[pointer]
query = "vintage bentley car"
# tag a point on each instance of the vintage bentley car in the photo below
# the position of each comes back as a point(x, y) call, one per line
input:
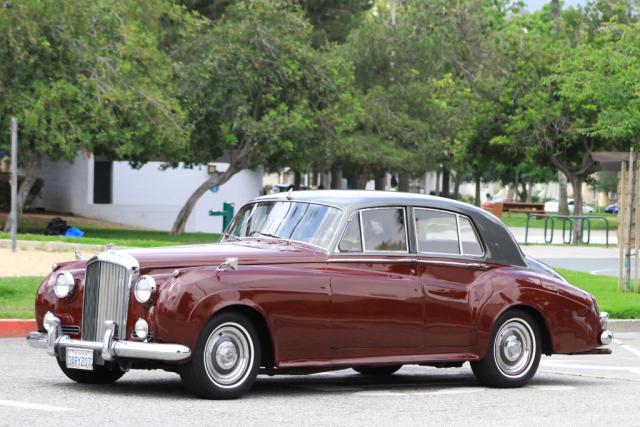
point(319, 280)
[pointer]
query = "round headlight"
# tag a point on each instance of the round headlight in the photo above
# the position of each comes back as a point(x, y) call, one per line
point(141, 328)
point(64, 284)
point(144, 289)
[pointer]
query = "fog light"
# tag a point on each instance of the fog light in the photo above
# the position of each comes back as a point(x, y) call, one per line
point(144, 289)
point(141, 328)
point(48, 321)
point(64, 284)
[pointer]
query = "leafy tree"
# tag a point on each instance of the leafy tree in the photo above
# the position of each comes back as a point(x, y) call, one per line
point(90, 79)
point(254, 87)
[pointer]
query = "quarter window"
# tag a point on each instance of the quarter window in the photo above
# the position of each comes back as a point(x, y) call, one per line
point(384, 229)
point(436, 232)
point(351, 239)
point(470, 244)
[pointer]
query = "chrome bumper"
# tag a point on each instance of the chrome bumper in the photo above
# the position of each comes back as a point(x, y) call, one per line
point(109, 349)
point(606, 336)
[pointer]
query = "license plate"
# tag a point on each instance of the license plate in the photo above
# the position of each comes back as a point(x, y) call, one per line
point(79, 358)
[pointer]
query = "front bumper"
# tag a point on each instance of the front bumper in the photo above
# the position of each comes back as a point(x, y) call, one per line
point(108, 349)
point(606, 336)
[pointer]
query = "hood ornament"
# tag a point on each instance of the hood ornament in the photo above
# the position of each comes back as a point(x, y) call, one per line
point(110, 246)
point(228, 264)
point(77, 255)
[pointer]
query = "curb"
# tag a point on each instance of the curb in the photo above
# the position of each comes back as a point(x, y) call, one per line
point(15, 328)
point(56, 246)
point(624, 325)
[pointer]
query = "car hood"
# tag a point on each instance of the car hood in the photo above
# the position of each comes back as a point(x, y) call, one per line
point(247, 251)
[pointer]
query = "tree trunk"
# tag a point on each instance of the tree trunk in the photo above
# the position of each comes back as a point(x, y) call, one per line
point(381, 181)
point(241, 161)
point(511, 190)
point(438, 187)
point(336, 177)
point(404, 181)
point(563, 206)
point(576, 183)
point(530, 193)
point(456, 187)
point(555, 14)
point(446, 176)
point(297, 180)
point(477, 200)
point(524, 195)
point(31, 173)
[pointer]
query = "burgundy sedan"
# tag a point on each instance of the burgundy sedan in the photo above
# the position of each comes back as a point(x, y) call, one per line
point(318, 281)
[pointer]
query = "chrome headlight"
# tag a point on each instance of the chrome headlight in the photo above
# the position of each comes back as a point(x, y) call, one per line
point(64, 284)
point(144, 289)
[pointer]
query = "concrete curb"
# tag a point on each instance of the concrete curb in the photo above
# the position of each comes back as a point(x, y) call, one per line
point(54, 246)
point(16, 328)
point(624, 325)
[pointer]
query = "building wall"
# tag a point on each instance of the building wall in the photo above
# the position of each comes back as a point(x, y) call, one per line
point(147, 197)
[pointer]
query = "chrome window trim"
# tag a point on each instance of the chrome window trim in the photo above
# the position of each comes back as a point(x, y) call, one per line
point(373, 260)
point(364, 251)
point(477, 265)
point(447, 254)
point(332, 242)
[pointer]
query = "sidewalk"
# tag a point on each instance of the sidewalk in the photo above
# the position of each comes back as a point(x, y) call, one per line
point(536, 236)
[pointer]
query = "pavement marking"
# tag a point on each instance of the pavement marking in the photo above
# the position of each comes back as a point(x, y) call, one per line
point(440, 392)
point(36, 406)
point(627, 347)
point(604, 271)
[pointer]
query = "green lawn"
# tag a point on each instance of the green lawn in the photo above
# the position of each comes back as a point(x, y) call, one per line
point(519, 220)
point(619, 305)
point(17, 295)
point(100, 233)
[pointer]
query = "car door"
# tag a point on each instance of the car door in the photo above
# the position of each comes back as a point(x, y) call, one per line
point(376, 297)
point(450, 269)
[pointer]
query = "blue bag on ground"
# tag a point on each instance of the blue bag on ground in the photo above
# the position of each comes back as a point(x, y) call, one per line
point(73, 232)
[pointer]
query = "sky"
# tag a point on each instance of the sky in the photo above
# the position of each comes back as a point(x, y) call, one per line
point(537, 4)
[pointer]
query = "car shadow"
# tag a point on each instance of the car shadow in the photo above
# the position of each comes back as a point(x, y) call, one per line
point(346, 381)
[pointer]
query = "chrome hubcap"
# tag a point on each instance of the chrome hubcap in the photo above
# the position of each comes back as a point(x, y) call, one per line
point(514, 348)
point(228, 355)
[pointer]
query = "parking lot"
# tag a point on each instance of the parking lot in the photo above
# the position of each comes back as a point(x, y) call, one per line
point(568, 390)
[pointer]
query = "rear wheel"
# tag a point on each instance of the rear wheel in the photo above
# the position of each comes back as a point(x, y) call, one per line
point(377, 370)
point(513, 355)
point(99, 375)
point(226, 360)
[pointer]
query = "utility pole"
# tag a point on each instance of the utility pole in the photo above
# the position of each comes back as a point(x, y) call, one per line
point(14, 182)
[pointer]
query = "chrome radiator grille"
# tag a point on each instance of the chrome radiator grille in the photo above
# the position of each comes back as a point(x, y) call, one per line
point(106, 297)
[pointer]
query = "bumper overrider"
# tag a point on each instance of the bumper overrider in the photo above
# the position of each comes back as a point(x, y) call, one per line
point(108, 349)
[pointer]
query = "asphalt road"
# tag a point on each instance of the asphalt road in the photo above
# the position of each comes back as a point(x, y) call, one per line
point(568, 390)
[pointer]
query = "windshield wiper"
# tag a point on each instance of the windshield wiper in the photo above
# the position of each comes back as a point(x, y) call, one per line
point(230, 236)
point(266, 235)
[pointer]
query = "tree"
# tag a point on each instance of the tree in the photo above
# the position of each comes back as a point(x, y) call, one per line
point(91, 78)
point(256, 90)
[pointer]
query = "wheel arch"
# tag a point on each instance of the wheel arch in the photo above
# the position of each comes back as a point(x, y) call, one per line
point(260, 322)
point(543, 327)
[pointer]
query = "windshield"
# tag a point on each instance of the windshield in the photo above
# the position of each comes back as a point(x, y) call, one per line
point(303, 222)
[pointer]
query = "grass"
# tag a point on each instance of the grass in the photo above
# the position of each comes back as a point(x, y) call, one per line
point(17, 297)
point(519, 220)
point(101, 233)
point(619, 305)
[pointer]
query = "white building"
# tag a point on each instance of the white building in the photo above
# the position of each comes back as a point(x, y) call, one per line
point(148, 197)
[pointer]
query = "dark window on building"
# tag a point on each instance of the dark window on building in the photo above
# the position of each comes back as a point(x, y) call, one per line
point(102, 181)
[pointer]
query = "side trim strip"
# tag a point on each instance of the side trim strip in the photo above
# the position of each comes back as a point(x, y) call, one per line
point(369, 260)
point(476, 265)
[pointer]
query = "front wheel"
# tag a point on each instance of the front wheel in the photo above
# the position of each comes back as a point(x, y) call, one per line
point(514, 352)
point(226, 359)
point(99, 374)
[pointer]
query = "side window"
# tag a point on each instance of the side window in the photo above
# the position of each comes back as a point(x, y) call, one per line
point(470, 243)
point(384, 230)
point(436, 232)
point(351, 239)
